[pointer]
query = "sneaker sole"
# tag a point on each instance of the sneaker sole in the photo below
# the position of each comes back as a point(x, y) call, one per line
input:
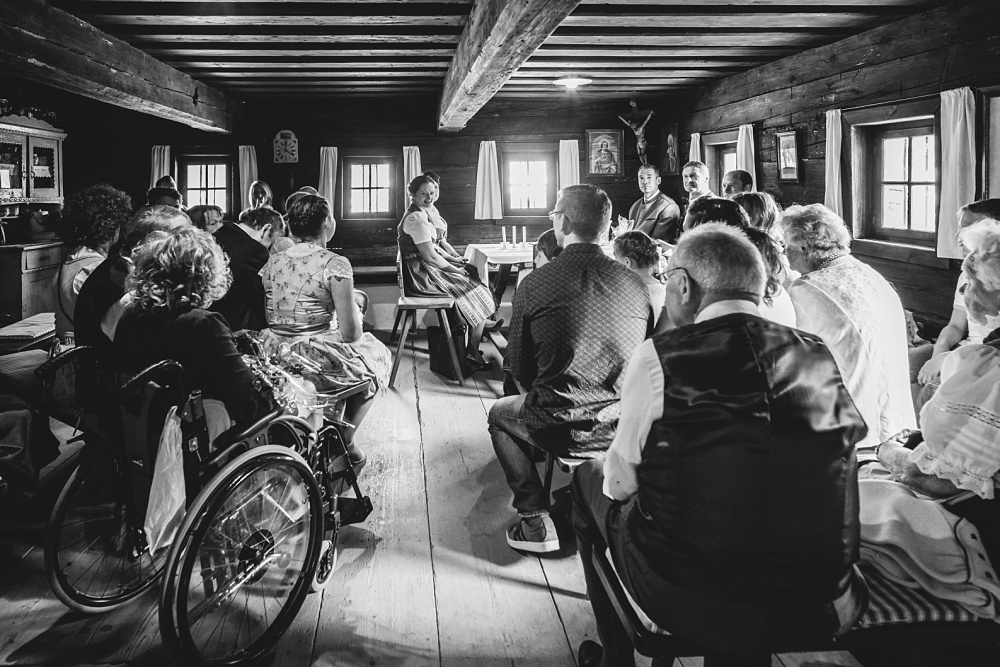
point(534, 547)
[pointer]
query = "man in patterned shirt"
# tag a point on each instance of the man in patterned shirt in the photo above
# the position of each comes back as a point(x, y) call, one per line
point(576, 322)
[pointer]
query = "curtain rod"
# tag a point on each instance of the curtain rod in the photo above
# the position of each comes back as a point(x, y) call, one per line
point(918, 98)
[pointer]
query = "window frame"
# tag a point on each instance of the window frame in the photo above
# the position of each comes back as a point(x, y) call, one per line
point(716, 146)
point(876, 226)
point(395, 212)
point(189, 157)
point(535, 151)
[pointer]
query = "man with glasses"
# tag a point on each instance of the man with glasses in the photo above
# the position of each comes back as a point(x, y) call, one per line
point(576, 321)
point(728, 499)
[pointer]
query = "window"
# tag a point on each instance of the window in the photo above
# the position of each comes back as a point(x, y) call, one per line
point(907, 191)
point(206, 179)
point(370, 188)
point(720, 156)
point(529, 180)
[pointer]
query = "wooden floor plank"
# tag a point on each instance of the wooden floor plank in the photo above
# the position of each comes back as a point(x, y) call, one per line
point(380, 609)
point(825, 659)
point(494, 605)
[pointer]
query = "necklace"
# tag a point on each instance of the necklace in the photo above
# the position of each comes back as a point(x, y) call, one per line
point(831, 260)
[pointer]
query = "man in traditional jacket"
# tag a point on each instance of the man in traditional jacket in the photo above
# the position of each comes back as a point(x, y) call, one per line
point(655, 213)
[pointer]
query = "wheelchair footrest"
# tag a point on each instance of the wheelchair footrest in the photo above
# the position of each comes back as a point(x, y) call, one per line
point(353, 510)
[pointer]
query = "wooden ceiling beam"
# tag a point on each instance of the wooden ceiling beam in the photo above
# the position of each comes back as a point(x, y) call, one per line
point(248, 38)
point(763, 3)
point(48, 45)
point(310, 54)
point(499, 37)
point(322, 76)
point(734, 19)
point(582, 67)
point(797, 40)
point(271, 20)
point(196, 66)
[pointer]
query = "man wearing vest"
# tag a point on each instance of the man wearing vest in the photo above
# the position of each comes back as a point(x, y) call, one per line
point(728, 498)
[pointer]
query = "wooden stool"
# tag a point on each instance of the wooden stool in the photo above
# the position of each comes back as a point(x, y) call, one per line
point(565, 463)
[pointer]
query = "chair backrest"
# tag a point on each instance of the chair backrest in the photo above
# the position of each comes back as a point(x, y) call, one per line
point(399, 273)
point(76, 386)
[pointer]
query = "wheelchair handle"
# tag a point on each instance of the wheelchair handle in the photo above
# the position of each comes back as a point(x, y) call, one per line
point(52, 365)
point(169, 373)
point(227, 439)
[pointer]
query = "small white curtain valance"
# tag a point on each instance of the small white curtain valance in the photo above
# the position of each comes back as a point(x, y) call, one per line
point(411, 169)
point(958, 165)
point(745, 154)
point(694, 153)
point(834, 198)
point(569, 162)
point(160, 165)
point(327, 172)
point(489, 203)
point(248, 174)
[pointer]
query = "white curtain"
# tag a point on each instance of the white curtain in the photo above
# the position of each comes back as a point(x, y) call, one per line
point(834, 198)
point(327, 172)
point(248, 174)
point(694, 153)
point(411, 169)
point(161, 164)
point(745, 154)
point(958, 165)
point(569, 162)
point(489, 203)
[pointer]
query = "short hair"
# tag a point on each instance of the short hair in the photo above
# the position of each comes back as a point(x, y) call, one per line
point(163, 196)
point(94, 215)
point(260, 190)
point(761, 209)
point(745, 178)
point(695, 164)
point(420, 180)
point(548, 245)
point(821, 232)
point(638, 247)
point(177, 270)
point(588, 209)
point(982, 268)
point(984, 208)
point(771, 254)
point(649, 166)
point(307, 215)
point(166, 182)
point(720, 259)
point(433, 176)
point(715, 209)
point(147, 220)
point(199, 214)
point(258, 218)
point(298, 194)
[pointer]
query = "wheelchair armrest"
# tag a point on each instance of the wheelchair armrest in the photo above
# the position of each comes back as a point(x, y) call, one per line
point(47, 368)
point(232, 436)
point(346, 390)
point(166, 372)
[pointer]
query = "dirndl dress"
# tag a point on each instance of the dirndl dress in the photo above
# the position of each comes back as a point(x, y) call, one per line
point(472, 298)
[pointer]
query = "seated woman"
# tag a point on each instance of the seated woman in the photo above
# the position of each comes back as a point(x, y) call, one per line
point(426, 273)
point(441, 225)
point(175, 276)
point(761, 209)
point(856, 312)
point(206, 216)
point(956, 454)
point(637, 251)
point(90, 223)
point(260, 195)
point(777, 304)
point(311, 312)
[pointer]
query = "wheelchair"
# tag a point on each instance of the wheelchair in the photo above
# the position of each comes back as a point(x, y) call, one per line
point(262, 514)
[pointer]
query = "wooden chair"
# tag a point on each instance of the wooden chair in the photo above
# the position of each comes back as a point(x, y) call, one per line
point(565, 463)
point(407, 308)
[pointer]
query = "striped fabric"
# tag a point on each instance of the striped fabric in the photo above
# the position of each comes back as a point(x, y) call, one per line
point(893, 604)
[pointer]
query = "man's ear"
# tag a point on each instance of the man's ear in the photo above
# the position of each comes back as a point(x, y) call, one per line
point(265, 231)
point(687, 288)
point(566, 228)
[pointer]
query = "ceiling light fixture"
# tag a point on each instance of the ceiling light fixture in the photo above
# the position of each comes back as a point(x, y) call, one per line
point(571, 82)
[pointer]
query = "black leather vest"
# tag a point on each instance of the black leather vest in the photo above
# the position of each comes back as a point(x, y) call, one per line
point(748, 484)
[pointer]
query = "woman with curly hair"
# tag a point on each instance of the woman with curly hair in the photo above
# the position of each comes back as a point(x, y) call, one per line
point(89, 224)
point(175, 276)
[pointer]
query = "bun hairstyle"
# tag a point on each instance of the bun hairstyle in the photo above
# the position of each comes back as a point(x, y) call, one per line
point(306, 216)
point(178, 270)
point(419, 181)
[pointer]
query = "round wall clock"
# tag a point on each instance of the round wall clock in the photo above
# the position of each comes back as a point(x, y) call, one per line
point(286, 147)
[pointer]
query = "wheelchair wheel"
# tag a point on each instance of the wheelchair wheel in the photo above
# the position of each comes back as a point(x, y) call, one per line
point(244, 560)
point(95, 549)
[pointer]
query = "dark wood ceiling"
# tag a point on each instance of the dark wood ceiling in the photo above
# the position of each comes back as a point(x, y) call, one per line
point(637, 48)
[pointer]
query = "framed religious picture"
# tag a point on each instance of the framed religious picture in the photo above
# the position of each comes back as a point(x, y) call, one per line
point(787, 149)
point(671, 161)
point(605, 152)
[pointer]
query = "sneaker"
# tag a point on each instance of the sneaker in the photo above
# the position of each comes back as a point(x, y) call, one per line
point(536, 535)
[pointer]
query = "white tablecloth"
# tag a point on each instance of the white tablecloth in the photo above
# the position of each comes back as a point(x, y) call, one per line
point(481, 254)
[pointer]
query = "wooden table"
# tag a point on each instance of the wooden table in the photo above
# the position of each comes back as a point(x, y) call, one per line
point(481, 255)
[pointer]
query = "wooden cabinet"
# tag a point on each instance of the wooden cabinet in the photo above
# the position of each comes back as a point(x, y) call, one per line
point(26, 275)
point(31, 175)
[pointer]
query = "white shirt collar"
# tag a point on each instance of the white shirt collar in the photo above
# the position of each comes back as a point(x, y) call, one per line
point(727, 307)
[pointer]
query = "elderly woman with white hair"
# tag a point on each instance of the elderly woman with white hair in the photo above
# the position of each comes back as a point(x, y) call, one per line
point(857, 314)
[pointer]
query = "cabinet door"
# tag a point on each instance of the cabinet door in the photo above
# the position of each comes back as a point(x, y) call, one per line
point(13, 148)
point(44, 168)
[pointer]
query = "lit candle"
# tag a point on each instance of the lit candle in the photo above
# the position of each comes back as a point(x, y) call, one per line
point(504, 230)
point(524, 236)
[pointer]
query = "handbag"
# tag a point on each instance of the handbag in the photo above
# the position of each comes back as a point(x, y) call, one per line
point(437, 344)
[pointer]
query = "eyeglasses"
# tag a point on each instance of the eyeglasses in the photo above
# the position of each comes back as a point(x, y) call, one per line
point(666, 274)
point(553, 214)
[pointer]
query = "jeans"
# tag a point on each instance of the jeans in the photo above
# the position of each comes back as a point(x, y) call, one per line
point(515, 452)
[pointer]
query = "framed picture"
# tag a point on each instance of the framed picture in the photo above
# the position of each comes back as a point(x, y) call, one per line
point(605, 152)
point(787, 148)
point(671, 161)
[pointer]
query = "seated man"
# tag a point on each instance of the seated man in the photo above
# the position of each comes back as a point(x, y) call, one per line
point(735, 182)
point(576, 321)
point(246, 244)
point(728, 499)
